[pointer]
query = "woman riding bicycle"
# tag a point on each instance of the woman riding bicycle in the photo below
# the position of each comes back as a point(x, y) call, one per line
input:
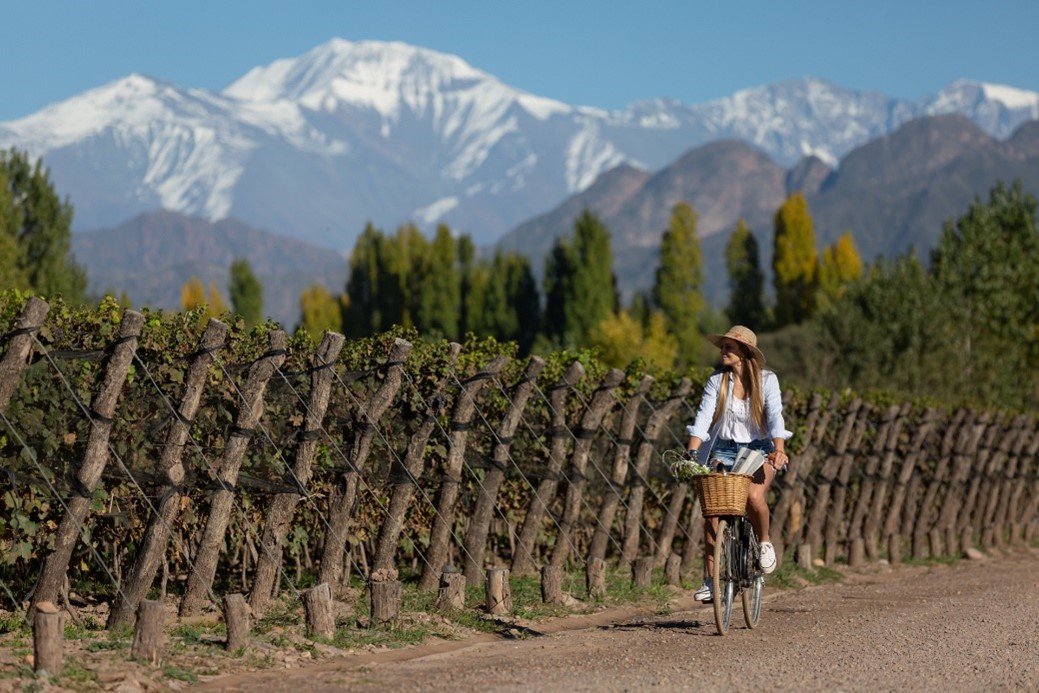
point(741, 407)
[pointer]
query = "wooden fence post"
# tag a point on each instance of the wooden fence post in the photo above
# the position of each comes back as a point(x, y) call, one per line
point(642, 573)
point(621, 461)
point(499, 594)
point(170, 471)
point(595, 577)
point(148, 634)
point(928, 507)
point(880, 502)
point(451, 478)
point(827, 475)
point(344, 493)
point(200, 580)
point(452, 590)
point(20, 342)
point(1015, 510)
point(888, 424)
point(283, 505)
point(237, 619)
point(791, 486)
point(523, 558)
point(385, 594)
point(95, 458)
point(917, 451)
point(643, 456)
point(601, 402)
point(487, 493)
point(552, 584)
point(317, 607)
point(48, 638)
point(404, 474)
point(835, 521)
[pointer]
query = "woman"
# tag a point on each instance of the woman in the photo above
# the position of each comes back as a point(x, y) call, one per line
point(741, 408)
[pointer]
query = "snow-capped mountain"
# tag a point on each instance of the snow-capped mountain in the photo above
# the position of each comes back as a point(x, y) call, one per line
point(317, 146)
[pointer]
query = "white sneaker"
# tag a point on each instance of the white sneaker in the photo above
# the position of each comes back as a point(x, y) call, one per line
point(705, 593)
point(768, 557)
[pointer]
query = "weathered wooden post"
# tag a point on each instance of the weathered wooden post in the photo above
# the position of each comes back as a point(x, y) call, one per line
point(643, 456)
point(955, 430)
point(487, 493)
point(87, 477)
point(404, 474)
point(621, 461)
point(317, 607)
point(601, 402)
point(221, 501)
point(237, 620)
point(641, 573)
point(880, 502)
point(888, 424)
point(385, 594)
point(148, 640)
point(452, 590)
point(451, 478)
point(835, 518)
point(552, 584)
point(48, 638)
point(523, 557)
point(279, 515)
point(499, 594)
point(595, 577)
point(20, 341)
point(917, 451)
point(344, 493)
point(673, 569)
point(171, 473)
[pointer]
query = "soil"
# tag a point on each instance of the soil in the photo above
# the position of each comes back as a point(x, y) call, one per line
point(966, 626)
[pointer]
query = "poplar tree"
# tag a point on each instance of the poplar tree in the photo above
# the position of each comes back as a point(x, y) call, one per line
point(36, 232)
point(511, 308)
point(839, 266)
point(677, 291)
point(794, 261)
point(320, 311)
point(746, 280)
point(361, 314)
point(580, 288)
point(246, 292)
point(439, 291)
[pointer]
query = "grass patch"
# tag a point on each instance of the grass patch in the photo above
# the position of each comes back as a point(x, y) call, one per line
point(179, 674)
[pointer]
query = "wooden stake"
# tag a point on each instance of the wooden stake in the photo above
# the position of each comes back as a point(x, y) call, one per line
point(237, 619)
point(148, 636)
point(641, 572)
point(499, 595)
point(317, 604)
point(48, 638)
point(452, 591)
point(385, 599)
point(595, 577)
point(552, 584)
point(673, 569)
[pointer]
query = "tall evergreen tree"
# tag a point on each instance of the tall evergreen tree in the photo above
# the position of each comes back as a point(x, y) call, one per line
point(36, 232)
point(677, 291)
point(440, 290)
point(246, 292)
point(746, 280)
point(466, 259)
point(794, 261)
point(985, 268)
point(361, 311)
point(580, 287)
point(511, 307)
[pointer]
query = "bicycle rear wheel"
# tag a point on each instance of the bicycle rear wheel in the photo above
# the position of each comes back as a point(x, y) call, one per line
point(724, 576)
point(751, 592)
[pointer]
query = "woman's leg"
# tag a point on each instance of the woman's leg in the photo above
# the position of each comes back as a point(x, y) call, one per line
point(757, 505)
point(710, 530)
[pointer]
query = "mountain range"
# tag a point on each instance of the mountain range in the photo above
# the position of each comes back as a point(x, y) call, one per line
point(314, 147)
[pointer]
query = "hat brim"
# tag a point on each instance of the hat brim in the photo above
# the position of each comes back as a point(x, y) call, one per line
point(716, 340)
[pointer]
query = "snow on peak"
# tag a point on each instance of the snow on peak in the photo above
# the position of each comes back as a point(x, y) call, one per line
point(384, 76)
point(1011, 97)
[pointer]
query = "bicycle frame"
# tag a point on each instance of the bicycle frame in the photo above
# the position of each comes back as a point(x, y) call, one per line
point(737, 572)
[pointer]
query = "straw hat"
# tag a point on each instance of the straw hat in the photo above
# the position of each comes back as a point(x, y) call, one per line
point(743, 335)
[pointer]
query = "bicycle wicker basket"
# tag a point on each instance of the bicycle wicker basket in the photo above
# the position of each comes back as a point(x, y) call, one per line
point(722, 494)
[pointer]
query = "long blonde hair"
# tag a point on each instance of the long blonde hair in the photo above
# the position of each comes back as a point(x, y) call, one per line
point(751, 379)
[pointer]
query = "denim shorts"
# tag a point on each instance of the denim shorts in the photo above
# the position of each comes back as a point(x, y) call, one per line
point(725, 451)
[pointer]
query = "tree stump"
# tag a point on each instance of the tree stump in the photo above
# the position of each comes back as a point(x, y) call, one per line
point(857, 553)
point(317, 605)
point(386, 597)
point(952, 540)
point(48, 635)
point(966, 540)
point(236, 618)
point(452, 591)
point(499, 595)
point(673, 570)
point(148, 635)
point(641, 572)
point(894, 548)
point(552, 584)
point(595, 577)
point(919, 546)
point(987, 538)
point(804, 556)
point(934, 538)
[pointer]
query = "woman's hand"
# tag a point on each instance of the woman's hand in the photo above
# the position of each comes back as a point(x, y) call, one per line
point(778, 460)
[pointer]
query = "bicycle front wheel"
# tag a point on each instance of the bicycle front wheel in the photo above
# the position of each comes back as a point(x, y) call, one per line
point(724, 576)
point(751, 592)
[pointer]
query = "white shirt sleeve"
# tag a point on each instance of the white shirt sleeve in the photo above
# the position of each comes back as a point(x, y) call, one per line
point(773, 400)
point(705, 413)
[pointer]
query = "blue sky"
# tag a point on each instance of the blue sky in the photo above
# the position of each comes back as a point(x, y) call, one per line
point(604, 53)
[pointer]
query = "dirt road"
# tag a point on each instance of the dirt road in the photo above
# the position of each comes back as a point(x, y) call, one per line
point(972, 626)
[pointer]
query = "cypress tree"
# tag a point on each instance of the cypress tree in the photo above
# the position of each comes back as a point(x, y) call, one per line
point(677, 291)
point(40, 226)
point(360, 312)
point(246, 292)
point(440, 291)
point(746, 280)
